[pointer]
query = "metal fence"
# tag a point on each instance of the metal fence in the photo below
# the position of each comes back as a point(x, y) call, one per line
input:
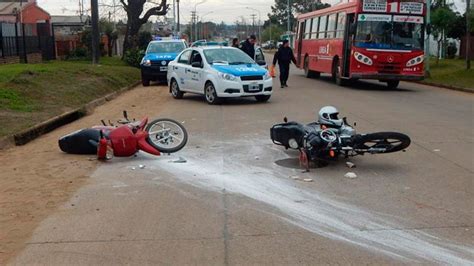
point(12, 43)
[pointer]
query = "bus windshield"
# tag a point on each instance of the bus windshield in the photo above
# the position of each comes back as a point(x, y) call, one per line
point(385, 32)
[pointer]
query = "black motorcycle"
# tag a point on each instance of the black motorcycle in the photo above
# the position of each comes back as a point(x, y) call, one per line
point(321, 144)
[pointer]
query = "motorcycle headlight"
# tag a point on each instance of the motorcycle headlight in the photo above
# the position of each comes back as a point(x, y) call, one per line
point(363, 58)
point(267, 76)
point(415, 61)
point(146, 62)
point(227, 76)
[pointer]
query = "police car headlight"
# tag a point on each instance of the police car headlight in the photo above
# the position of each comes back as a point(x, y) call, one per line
point(415, 61)
point(227, 76)
point(267, 76)
point(146, 62)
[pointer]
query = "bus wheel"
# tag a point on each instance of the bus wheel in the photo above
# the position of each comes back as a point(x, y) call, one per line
point(337, 74)
point(309, 73)
point(392, 84)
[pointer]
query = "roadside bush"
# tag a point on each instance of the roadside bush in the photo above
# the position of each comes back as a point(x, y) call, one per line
point(133, 57)
point(451, 50)
point(78, 53)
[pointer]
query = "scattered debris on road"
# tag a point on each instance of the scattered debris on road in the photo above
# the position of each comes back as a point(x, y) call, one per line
point(141, 166)
point(257, 158)
point(350, 165)
point(436, 150)
point(308, 180)
point(350, 175)
point(295, 177)
point(179, 160)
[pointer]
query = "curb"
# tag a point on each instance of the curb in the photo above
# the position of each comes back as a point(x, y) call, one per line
point(49, 125)
point(445, 86)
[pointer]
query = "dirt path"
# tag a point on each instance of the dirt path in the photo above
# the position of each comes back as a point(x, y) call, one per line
point(37, 178)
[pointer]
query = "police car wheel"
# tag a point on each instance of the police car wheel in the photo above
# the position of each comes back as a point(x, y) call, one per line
point(262, 98)
point(175, 91)
point(210, 93)
point(145, 82)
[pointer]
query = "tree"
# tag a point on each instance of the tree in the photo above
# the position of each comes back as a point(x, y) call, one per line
point(134, 10)
point(279, 13)
point(272, 32)
point(442, 19)
point(469, 29)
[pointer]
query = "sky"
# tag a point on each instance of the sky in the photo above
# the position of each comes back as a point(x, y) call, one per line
point(213, 10)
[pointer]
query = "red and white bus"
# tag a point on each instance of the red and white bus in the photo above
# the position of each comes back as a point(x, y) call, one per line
point(363, 39)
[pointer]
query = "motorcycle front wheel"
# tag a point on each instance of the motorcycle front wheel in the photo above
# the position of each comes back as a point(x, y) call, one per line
point(381, 142)
point(166, 135)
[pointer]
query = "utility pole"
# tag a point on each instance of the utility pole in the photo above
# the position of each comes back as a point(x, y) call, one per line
point(95, 32)
point(289, 14)
point(253, 16)
point(468, 34)
point(427, 39)
point(191, 31)
point(178, 28)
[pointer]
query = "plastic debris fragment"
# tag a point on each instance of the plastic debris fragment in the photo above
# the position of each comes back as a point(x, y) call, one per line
point(350, 175)
point(350, 165)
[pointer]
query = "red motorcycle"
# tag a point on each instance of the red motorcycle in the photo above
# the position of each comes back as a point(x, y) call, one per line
point(159, 136)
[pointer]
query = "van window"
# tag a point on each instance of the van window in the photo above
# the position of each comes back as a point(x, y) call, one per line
point(322, 27)
point(331, 26)
point(314, 28)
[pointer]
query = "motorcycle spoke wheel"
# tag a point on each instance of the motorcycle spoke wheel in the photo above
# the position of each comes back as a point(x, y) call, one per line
point(383, 142)
point(167, 135)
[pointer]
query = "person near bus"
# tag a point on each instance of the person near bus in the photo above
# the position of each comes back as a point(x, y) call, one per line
point(248, 46)
point(235, 42)
point(284, 56)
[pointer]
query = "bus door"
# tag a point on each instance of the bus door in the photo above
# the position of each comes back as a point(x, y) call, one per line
point(299, 45)
point(349, 32)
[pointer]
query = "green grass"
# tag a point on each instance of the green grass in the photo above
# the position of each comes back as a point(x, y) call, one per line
point(32, 93)
point(451, 72)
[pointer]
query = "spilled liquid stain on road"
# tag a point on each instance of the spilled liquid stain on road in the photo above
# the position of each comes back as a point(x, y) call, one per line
point(232, 166)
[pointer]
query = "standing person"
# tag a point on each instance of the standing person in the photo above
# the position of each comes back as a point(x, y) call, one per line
point(249, 46)
point(235, 42)
point(284, 56)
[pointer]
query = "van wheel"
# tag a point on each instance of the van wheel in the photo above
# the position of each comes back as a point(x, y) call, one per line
point(210, 93)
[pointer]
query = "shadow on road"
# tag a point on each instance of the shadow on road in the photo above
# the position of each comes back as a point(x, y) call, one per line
point(365, 85)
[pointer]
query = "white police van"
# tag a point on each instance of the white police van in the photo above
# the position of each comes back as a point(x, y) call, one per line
point(218, 72)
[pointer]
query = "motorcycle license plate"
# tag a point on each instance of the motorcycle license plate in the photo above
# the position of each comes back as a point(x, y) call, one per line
point(164, 68)
point(254, 87)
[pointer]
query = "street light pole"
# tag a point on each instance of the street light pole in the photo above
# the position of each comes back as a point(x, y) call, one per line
point(95, 32)
point(178, 28)
point(289, 14)
point(427, 39)
point(202, 26)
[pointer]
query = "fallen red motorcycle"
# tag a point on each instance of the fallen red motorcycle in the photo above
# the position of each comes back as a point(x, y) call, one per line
point(162, 135)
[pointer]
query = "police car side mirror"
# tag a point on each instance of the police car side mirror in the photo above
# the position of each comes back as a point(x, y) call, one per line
point(261, 62)
point(196, 64)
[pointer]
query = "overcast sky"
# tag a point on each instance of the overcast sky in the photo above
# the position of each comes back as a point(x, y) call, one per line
point(214, 10)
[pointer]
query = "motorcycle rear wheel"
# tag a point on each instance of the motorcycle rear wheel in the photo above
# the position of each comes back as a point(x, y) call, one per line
point(166, 135)
point(381, 142)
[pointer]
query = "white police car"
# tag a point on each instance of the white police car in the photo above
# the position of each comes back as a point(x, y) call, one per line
point(218, 72)
point(159, 53)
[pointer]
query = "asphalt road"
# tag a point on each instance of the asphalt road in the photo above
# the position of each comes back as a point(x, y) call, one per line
point(235, 202)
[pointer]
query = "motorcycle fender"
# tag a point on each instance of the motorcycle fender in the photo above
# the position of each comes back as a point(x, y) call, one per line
point(143, 144)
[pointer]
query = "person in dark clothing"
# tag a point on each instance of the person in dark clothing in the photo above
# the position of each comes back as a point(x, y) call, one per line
point(235, 42)
point(284, 56)
point(248, 46)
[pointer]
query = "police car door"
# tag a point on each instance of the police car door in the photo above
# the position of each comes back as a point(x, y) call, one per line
point(195, 72)
point(181, 70)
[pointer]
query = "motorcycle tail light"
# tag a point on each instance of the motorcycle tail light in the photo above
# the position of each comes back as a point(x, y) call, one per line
point(332, 153)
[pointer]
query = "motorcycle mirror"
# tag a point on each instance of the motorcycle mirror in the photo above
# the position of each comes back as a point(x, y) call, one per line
point(125, 115)
point(344, 119)
point(110, 123)
point(103, 122)
point(285, 119)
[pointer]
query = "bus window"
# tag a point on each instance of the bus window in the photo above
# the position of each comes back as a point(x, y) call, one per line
point(307, 30)
point(331, 26)
point(340, 25)
point(322, 27)
point(314, 28)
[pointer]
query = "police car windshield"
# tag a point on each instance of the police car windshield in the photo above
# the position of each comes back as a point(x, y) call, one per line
point(229, 56)
point(165, 47)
